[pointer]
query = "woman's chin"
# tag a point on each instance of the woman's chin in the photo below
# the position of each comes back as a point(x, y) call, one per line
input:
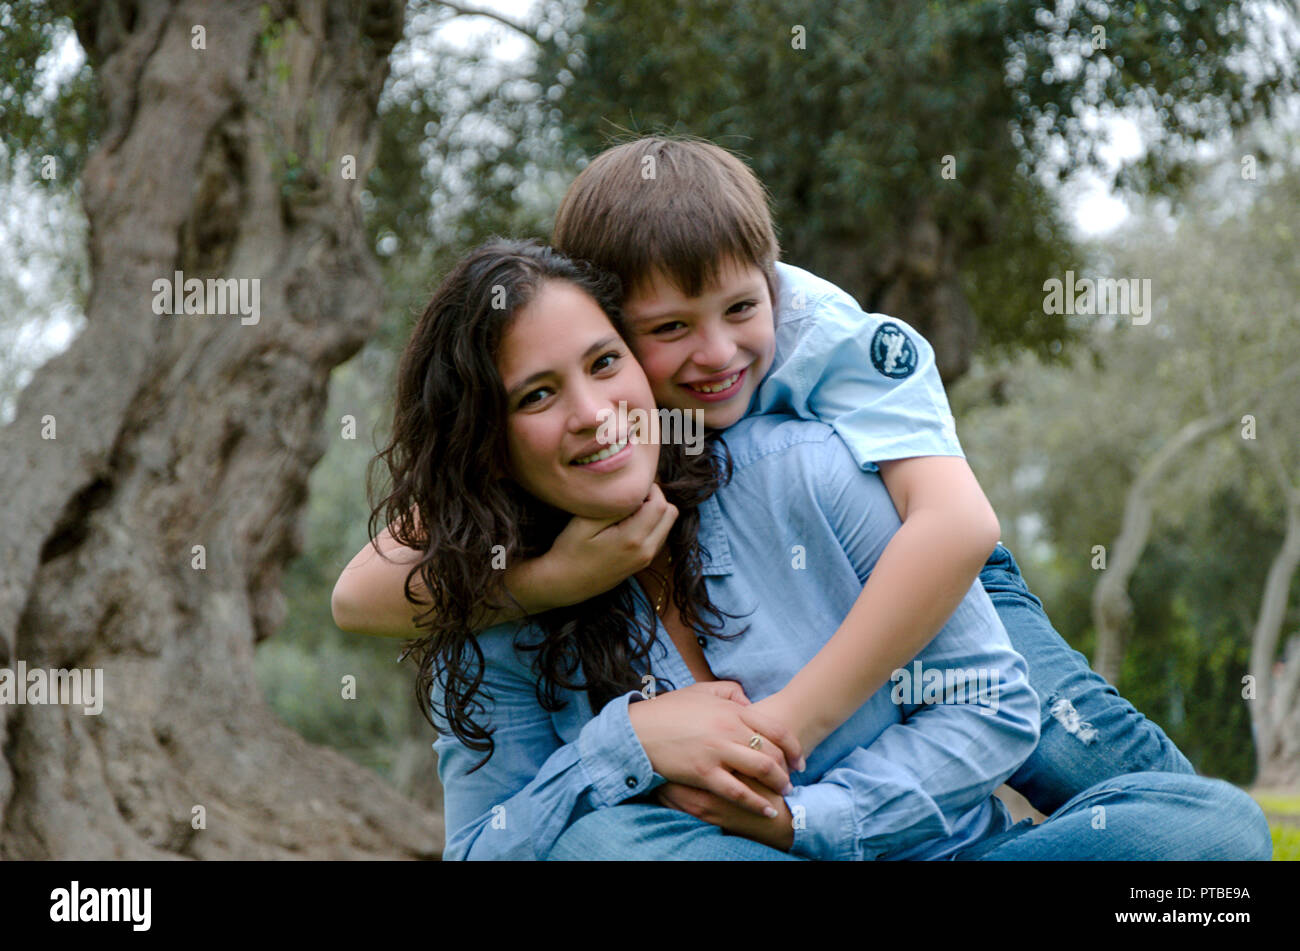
point(613, 506)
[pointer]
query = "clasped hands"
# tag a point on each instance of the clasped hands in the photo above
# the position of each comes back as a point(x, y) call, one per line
point(698, 739)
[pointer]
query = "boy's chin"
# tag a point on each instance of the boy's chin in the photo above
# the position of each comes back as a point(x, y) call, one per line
point(720, 418)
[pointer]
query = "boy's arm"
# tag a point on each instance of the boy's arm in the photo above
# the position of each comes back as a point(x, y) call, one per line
point(876, 381)
point(589, 557)
point(948, 532)
point(919, 777)
point(915, 781)
point(370, 597)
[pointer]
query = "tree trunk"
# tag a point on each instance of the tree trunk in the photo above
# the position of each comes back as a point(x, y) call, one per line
point(1275, 709)
point(170, 432)
point(1111, 606)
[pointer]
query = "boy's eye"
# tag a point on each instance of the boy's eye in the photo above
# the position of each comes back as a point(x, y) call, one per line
point(667, 328)
point(742, 307)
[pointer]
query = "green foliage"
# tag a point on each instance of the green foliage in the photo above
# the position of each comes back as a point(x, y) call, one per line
point(847, 110)
point(38, 118)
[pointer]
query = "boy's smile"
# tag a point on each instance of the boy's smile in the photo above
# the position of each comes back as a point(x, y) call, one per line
point(707, 352)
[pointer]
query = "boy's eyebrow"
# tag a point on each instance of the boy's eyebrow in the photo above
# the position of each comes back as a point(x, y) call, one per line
point(600, 344)
point(749, 287)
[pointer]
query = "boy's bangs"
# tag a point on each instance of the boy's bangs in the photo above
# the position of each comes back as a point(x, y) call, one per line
point(690, 250)
point(677, 208)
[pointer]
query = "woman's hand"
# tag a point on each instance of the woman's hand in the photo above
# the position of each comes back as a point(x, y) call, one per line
point(778, 832)
point(593, 555)
point(699, 736)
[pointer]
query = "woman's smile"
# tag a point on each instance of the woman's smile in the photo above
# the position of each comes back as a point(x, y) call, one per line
point(605, 460)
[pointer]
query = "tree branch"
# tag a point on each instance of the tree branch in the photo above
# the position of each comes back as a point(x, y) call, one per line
point(1111, 606)
point(462, 10)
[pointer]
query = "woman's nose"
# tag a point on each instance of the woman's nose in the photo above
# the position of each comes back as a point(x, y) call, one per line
point(589, 407)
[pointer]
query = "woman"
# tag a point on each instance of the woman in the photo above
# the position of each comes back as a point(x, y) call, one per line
point(500, 394)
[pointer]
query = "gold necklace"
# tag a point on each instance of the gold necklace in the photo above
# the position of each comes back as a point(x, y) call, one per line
point(663, 595)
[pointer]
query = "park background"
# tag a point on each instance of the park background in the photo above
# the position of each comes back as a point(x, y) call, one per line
point(941, 162)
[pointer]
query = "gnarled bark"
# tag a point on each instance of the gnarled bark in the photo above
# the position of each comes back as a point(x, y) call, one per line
point(177, 431)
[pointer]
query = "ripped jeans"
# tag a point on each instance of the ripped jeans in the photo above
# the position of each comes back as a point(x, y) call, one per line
point(1089, 732)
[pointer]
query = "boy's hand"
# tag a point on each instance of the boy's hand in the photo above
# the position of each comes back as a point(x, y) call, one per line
point(777, 833)
point(593, 555)
point(775, 707)
point(699, 736)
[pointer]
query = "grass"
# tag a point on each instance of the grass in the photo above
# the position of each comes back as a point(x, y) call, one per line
point(1283, 813)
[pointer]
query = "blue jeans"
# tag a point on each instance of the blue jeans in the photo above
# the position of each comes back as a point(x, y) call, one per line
point(1141, 816)
point(1089, 732)
point(1095, 749)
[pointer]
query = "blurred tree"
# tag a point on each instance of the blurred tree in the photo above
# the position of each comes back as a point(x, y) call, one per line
point(232, 141)
point(908, 147)
point(1207, 592)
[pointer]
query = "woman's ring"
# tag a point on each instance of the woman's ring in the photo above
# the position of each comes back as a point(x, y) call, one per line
point(755, 741)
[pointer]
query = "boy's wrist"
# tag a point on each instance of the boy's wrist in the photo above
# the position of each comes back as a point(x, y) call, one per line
point(798, 715)
point(531, 583)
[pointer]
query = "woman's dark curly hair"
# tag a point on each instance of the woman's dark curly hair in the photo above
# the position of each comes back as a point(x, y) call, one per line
point(453, 498)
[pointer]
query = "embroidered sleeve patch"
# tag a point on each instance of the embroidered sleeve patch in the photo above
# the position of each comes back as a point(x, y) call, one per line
point(892, 351)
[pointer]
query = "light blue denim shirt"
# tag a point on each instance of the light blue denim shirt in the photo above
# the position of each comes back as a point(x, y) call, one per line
point(789, 542)
point(870, 376)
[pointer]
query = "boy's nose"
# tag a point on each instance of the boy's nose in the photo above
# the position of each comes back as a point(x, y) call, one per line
point(715, 352)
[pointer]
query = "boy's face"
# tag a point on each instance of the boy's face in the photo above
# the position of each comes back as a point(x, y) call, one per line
point(708, 352)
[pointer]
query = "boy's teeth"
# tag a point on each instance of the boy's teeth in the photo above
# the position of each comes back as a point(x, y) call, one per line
point(603, 454)
point(716, 387)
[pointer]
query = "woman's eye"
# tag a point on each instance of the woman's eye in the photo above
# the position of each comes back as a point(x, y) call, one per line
point(605, 361)
point(536, 396)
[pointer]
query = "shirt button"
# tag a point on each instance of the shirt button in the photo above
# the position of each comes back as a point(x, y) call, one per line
point(631, 782)
point(702, 641)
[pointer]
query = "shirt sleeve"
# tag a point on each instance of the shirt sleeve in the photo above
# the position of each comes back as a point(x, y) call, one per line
point(534, 786)
point(925, 777)
point(870, 376)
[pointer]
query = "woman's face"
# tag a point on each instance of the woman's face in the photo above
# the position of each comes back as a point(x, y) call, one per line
point(566, 370)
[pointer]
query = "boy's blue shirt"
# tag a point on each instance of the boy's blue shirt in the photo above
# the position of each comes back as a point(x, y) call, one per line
point(787, 545)
point(870, 376)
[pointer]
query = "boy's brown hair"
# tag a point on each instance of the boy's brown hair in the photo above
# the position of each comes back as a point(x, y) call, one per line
point(679, 206)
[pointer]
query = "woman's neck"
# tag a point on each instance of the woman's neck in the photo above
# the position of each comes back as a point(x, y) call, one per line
point(657, 578)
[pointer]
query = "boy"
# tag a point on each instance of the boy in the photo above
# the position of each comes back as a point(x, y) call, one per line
point(720, 326)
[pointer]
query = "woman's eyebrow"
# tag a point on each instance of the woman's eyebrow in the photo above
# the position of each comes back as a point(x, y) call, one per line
point(587, 354)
